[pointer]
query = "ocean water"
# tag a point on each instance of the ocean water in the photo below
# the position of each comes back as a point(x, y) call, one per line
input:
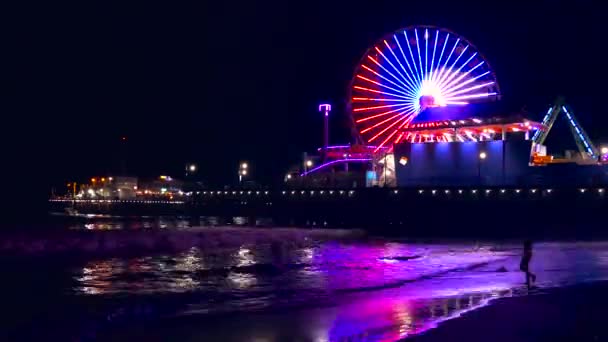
point(374, 290)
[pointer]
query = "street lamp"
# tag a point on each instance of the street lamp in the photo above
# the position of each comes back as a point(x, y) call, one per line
point(482, 156)
point(243, 171)
point(604, 150)
point(192, 168)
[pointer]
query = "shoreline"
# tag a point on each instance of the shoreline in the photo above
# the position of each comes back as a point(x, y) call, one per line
point(572, 313)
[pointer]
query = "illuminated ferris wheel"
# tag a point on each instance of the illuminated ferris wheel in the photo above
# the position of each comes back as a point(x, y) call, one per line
point(410, 70)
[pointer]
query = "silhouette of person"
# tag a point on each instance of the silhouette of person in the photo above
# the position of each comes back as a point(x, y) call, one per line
point(524, 266)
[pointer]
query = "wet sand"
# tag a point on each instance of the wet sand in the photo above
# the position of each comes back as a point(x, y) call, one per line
point(576, 313)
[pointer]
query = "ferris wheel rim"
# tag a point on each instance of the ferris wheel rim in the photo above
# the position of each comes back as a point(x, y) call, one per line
point(412, 28)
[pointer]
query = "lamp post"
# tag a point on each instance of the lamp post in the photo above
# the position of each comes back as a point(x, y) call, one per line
point(603, 154)
point(191, 169)
point(243, 171)
point(307, 164)
point(482, 157)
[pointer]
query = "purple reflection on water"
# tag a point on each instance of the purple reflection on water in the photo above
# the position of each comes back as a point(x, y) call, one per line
point(337, 291)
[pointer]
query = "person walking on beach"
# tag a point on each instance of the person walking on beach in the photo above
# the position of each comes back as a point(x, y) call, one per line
point(525, 262)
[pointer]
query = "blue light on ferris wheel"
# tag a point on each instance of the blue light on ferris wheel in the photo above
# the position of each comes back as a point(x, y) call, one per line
point(409, 71)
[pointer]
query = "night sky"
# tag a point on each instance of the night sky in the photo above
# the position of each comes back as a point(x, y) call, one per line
point(218, 82)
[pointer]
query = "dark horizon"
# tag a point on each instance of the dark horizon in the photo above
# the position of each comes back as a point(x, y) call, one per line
point(216, 83)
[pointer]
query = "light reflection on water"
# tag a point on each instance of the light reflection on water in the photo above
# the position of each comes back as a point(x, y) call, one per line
point(359, 293)
point(97, 222)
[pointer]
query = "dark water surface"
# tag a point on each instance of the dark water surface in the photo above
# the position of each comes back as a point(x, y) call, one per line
point(332, 291)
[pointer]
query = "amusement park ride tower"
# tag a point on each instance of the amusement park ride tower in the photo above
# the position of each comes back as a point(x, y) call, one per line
point(325, 109)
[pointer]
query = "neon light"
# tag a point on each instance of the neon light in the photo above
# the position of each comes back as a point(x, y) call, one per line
point(473, 96)
point(458, 79)
point(382, 77)
point(467, 82)
point(418, 48)
point(403, 110)
point(334, 147)
point(410, 80)
point(448, 59)
point(390, 136)
point(377, 115)
point(403, 54)
point(382, 92)
point(381, 99)
point(376, 107)
point(448, 81)
point(359, 160)
point(426, 51)
point(409, 47)
point(444, 76)
point(380, 123)
point(387, 128)
point(324, 107)
point(445, 43)
point(472, 88)
point(406, 90)
point(394, 67)
point(374, 82)
point(433, 58)
point(373, 99)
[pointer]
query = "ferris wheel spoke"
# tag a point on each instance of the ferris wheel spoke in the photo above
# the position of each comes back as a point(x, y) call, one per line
point(471, 96)
point(409, 47)
point(400, 114)
point(426, 52)
point(449, 72)
point(363, 109)
point(419, 58)
point(409, 119)
point(403, 90)
point(412, 73)
point(401, 86)
point(379, 84)
point(458, 85)
point(379, 99)
point(462, 91)
point(381, 114)
point(453, 74)
point(433, 58)
point(403, 117)
point(383, 93)
point(471, 80)
point(445, 63)
point(404, 80)
point(445, 43)
point(411, 81)
point(386, 93)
